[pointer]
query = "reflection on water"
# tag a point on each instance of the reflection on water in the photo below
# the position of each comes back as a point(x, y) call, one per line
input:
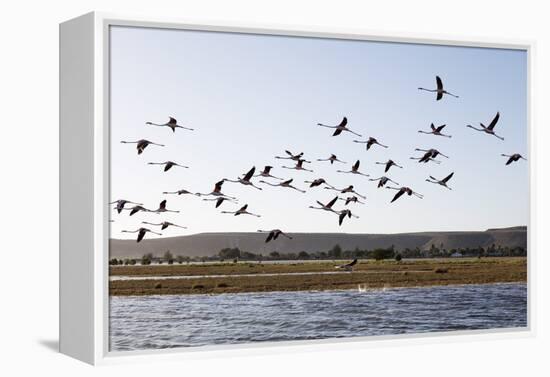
point(146, 322)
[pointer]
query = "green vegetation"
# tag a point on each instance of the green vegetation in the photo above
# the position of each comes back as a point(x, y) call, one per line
point(229, 253)
point(379, 254)
point(168, 257)
point(337, 253)
point(146, 259)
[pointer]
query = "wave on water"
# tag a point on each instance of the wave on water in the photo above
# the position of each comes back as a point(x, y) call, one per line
point(153, 322)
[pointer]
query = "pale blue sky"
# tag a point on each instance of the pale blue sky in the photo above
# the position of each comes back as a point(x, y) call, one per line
point(250, 97)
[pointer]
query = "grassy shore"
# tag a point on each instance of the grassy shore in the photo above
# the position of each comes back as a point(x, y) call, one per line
point(371, 273)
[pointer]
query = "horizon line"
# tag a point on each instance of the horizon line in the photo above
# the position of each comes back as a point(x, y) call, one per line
point(341, 233)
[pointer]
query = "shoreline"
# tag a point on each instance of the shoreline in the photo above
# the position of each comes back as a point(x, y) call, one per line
point(329, 290)
point(229, 278)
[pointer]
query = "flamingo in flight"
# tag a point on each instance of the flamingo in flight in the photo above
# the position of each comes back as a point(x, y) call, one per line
point(246, 179)
point(217, 191)
point(168, 165)
point(162, 208)
point(137, 208)
point(141, 233)
point(348, 266)
point(141, 144)
point(340, 128)
point(172, 123)
point(440, 91)
point(298, 166)
point(318, 182)
point(220, 200)
point(490, 128)
point(342, 215)
point(165, 224)
point(389, 164)
point(430, 155)
point(274, 234)
point(383, 180)
point(121, 203)
point(266, 173)
point(370, 142)
point(442, 182)
point(351, 199)
point(242, 211)
point(435, 131)
point(179, 192)
point(284, 184)
point(326, 207)
point(347, 190)
point(332, 159)
point(513, 157)
point(291, 156)
point(403, 190)
point(354, 169)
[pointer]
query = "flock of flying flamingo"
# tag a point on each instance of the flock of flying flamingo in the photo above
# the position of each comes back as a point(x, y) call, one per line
point(249, 178)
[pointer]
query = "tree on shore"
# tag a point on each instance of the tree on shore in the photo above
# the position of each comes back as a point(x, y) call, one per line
point(146, 259)
point(168, 257)
point(229, 253)
point(335, 252)
point(379, 254)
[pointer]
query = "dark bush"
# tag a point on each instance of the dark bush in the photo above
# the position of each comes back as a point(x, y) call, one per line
point(146, 259)
point(379, 254)
point(169, 257)
point(229, 253)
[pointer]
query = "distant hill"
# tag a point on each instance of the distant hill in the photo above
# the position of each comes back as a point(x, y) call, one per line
point(209, 244)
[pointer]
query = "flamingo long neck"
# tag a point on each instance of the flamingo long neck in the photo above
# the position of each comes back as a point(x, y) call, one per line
point(479, 129)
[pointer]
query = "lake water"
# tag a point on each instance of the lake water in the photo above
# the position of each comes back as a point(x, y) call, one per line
point(152, 322)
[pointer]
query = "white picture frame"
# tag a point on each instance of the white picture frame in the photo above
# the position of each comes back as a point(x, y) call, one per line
point(84, 185)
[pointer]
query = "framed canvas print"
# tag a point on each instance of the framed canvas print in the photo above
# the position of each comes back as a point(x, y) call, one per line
point(224, 186)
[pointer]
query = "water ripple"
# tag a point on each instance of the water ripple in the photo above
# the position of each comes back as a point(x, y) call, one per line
point(147, 322)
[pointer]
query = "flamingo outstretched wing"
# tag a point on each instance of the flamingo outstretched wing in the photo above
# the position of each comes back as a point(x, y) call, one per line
point(494, 121)
point(249, 174)
point(397, 196)
point(447, 178)
point(331, 203)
